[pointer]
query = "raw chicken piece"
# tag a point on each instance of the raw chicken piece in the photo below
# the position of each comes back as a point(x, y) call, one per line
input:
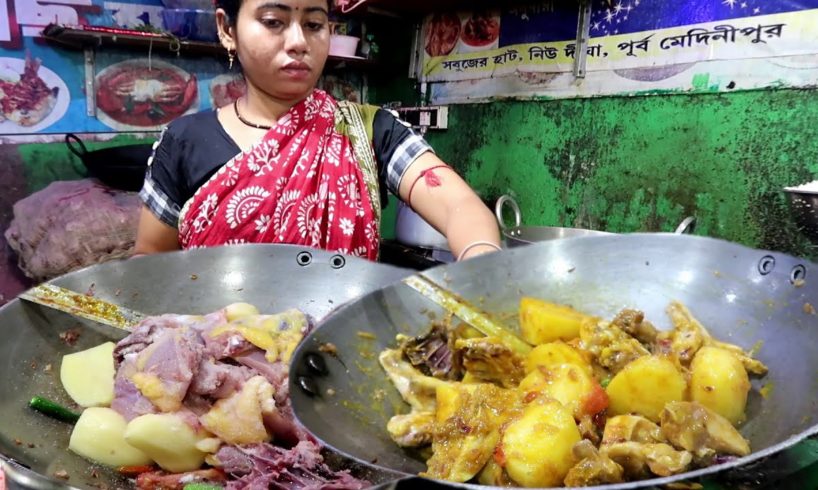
point(151, 328)
point(217, 379)
point(165, 368)
point(128, 401)
point(278, 335)
point(281, 424)
point(239, 419)
point(264, 466)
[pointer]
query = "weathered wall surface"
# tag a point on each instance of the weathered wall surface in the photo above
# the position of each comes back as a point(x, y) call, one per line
point(644, 163)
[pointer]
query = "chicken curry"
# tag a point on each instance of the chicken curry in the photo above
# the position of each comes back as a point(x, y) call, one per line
point(592, 402)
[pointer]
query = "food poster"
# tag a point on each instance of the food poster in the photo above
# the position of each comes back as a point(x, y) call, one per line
point(43, 90)
point(635, 45)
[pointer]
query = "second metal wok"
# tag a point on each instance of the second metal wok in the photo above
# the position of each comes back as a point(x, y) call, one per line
point(272, 277)
point(741, 295)
point(518, 235)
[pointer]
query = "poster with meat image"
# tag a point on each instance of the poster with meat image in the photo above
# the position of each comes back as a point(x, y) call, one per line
point(450, 33)
point(481, 30)
point(442, 33)
point(225, 89)
point(32, 97)
point(144, 94)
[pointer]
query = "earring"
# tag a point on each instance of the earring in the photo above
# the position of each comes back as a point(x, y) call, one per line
point(230, 58)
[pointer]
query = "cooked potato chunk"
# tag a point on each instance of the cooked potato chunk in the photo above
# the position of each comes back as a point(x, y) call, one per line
point(99, 436)
point(167, 439)
point(537, 446)
point(565, 383)
point(88, 376)
point(645, 386)
point(541, 321)
point(556, 353)
point(719, 382)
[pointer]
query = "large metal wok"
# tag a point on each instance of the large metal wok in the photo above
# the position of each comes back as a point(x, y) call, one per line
point(740, 294)
point(273, 277)
point(517, 235)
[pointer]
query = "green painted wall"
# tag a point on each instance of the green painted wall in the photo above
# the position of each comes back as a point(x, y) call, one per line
point(644, 163)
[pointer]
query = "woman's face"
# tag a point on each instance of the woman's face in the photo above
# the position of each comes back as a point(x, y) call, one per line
point(282, 45)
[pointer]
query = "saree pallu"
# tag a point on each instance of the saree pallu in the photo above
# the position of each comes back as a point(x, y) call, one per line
point(311, 181)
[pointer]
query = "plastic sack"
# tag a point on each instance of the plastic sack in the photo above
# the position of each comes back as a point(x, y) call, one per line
point(70, 225)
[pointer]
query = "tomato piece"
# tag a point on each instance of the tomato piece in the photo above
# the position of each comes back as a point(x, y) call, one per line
point(500, 456)
point(597, 401)
point(134, 471)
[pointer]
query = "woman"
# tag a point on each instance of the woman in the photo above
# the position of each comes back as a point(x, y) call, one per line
point(288, 164)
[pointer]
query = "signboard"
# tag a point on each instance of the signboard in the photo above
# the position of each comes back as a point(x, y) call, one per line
point(530, 43)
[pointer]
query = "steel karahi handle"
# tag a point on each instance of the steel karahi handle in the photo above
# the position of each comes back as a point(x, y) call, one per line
point(498, 211)
point(687, 226)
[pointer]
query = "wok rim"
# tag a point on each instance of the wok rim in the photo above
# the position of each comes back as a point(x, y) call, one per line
point(753, 457)
point(522, 236)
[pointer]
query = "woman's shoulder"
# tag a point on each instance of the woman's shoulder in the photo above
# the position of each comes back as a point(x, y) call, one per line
point(195, 125)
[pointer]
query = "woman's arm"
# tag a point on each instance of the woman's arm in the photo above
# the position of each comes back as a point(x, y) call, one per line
point(447, 202)
point(154, 236)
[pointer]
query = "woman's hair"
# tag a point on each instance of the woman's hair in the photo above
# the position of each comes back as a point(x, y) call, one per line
point(231, 8)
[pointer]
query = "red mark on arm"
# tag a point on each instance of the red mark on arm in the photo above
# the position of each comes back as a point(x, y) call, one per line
point(429, 177)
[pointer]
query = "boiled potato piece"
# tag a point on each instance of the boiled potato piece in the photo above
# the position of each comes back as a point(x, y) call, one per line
point(553, 354)
point(541, 321)
point(167, 439)
point(537, 446)
point(565, 383)
point(99, 436)
point(719, 382)
point(236, 311)
point(88, 376)
point(645, 386)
